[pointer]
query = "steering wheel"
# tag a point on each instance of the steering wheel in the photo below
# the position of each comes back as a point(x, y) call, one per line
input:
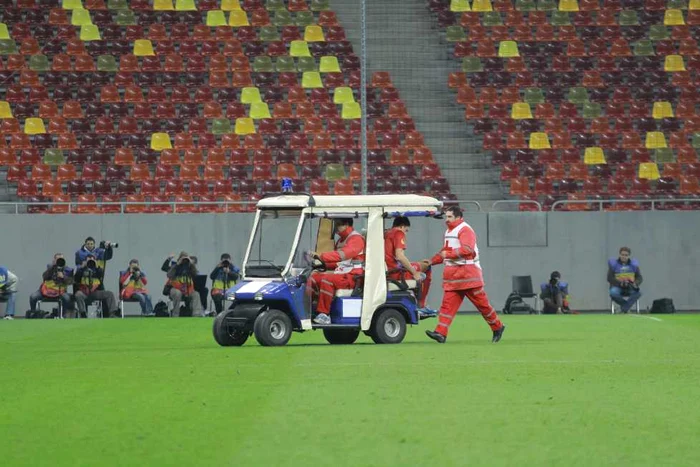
point(316, 264)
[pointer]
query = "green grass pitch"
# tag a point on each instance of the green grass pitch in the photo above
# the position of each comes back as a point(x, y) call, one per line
point(558, 390)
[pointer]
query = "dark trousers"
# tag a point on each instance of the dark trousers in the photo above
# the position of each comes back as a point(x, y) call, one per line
point(552, 304)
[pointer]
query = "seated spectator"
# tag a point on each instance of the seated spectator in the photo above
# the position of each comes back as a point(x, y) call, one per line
point(132, 282)
point(56, 280)
point(89, 279)
point(180, 284)
point(553, 294)
point(224, 275)
point(101, 254)
point(624, 277)
point(8, 291)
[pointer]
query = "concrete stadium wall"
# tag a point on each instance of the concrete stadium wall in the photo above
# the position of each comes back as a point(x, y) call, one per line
point(576, 244)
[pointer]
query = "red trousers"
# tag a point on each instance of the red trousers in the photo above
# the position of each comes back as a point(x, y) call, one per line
point(451, 301)
point(325, 284)
point(425, 288)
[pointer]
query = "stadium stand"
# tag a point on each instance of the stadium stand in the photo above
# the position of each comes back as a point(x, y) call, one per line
point(581, 99)
point(208, 100)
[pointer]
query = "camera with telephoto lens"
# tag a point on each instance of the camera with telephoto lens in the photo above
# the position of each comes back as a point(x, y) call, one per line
point(185, 260)
point(103, 244)
point(61, 263)
point(225, 264)
point(91, 264)
point(553, 281)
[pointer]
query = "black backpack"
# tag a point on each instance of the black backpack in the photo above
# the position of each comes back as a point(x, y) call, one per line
point(515, 304)
point(663, 305)
point(161, 310)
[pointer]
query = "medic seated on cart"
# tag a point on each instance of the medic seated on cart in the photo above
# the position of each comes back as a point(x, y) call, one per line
point(345, 264)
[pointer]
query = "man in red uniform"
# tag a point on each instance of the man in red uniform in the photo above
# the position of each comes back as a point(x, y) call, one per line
point(345, 262)
point(462, 277)
point(399, 267)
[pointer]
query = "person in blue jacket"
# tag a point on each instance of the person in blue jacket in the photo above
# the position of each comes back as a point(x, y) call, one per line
point(624, 277)
point(553, 294)
point(8, 291)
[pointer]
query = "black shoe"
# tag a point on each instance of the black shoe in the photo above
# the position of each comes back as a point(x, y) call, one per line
point(498, 334)
point(436, 336)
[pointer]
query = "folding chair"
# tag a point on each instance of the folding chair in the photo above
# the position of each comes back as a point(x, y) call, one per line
point(523, 286)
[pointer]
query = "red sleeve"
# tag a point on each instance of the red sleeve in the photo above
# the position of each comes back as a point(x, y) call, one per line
point(467, 240)
point(123, 277)
point(399, 241)
point(354, 246)
point(144, 281)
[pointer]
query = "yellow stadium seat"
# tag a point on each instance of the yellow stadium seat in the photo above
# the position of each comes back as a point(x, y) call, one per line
point(90, 32)
point(674, 18)
point(520, 111)
point(245, 126)
point(34, 126)
point(694, 5)
point(329, 64)
point(568, 5)
point(460, 6)
point(662, 110)
point(163, 5)
point(259, 110)
point(648, 170)
point(185, 5)
point(508, 49)
point(250, 95)
point(216, 18)
point(80, 17)
point(230, 5)
point(351, 111)
point(314, 33)
point(655, 140)
point(160, 141)
point(674, 63)
point(482, 5)
point(5, 110)
point(311, 79)
point(539, 140)
point(238, 18)
point(594, 156)
point(72, 4)
point(143, 47)
point(4, 33)
point(299, 49)
point(343, 95)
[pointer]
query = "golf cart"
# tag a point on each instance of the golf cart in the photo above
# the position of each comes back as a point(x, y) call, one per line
point(272, 300)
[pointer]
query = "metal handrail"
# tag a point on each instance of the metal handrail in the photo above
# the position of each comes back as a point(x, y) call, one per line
point(516, 201)
point(599, 202)
point(466, 201)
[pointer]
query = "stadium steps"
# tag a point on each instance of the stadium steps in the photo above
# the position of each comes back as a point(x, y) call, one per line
point(419, 65)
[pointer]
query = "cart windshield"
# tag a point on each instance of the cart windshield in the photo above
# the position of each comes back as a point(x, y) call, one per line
point(272, 243)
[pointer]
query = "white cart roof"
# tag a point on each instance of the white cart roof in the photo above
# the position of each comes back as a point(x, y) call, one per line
point(389, 202)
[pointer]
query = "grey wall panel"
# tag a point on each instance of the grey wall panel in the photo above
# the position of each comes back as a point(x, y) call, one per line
point(579, 245)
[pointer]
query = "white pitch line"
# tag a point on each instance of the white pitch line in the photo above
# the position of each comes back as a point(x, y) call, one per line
point(648, 317)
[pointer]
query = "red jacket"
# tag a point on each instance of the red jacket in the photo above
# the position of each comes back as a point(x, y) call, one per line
point(349, 252)
point(462, 268)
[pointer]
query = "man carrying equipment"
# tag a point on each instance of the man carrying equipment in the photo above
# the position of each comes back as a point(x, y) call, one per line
point(346, 262)
point(462, 277)
point(399, 267)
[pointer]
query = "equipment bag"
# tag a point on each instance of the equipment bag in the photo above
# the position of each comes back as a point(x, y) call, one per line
point(161, 310)
point(515, 304)
point(663, 305)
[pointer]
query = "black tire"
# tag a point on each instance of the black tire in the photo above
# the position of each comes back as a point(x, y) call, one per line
point(272, 328)
point(389, 327)
point(227, 336)
point(341, 336)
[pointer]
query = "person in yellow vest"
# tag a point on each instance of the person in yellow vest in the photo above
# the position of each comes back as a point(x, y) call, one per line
point(180, 284)
point(89, 284)
point(132, 284)
point(224, 276)
point(56, 280)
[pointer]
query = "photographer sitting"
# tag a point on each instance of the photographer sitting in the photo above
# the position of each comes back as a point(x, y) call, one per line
point(553, 294)
point(89, 280)
point(624, 277)
point(181, 274)
point(133, 286)
point(224, 275)
point(8, 291)
point(101, 254)
point(56, 280)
